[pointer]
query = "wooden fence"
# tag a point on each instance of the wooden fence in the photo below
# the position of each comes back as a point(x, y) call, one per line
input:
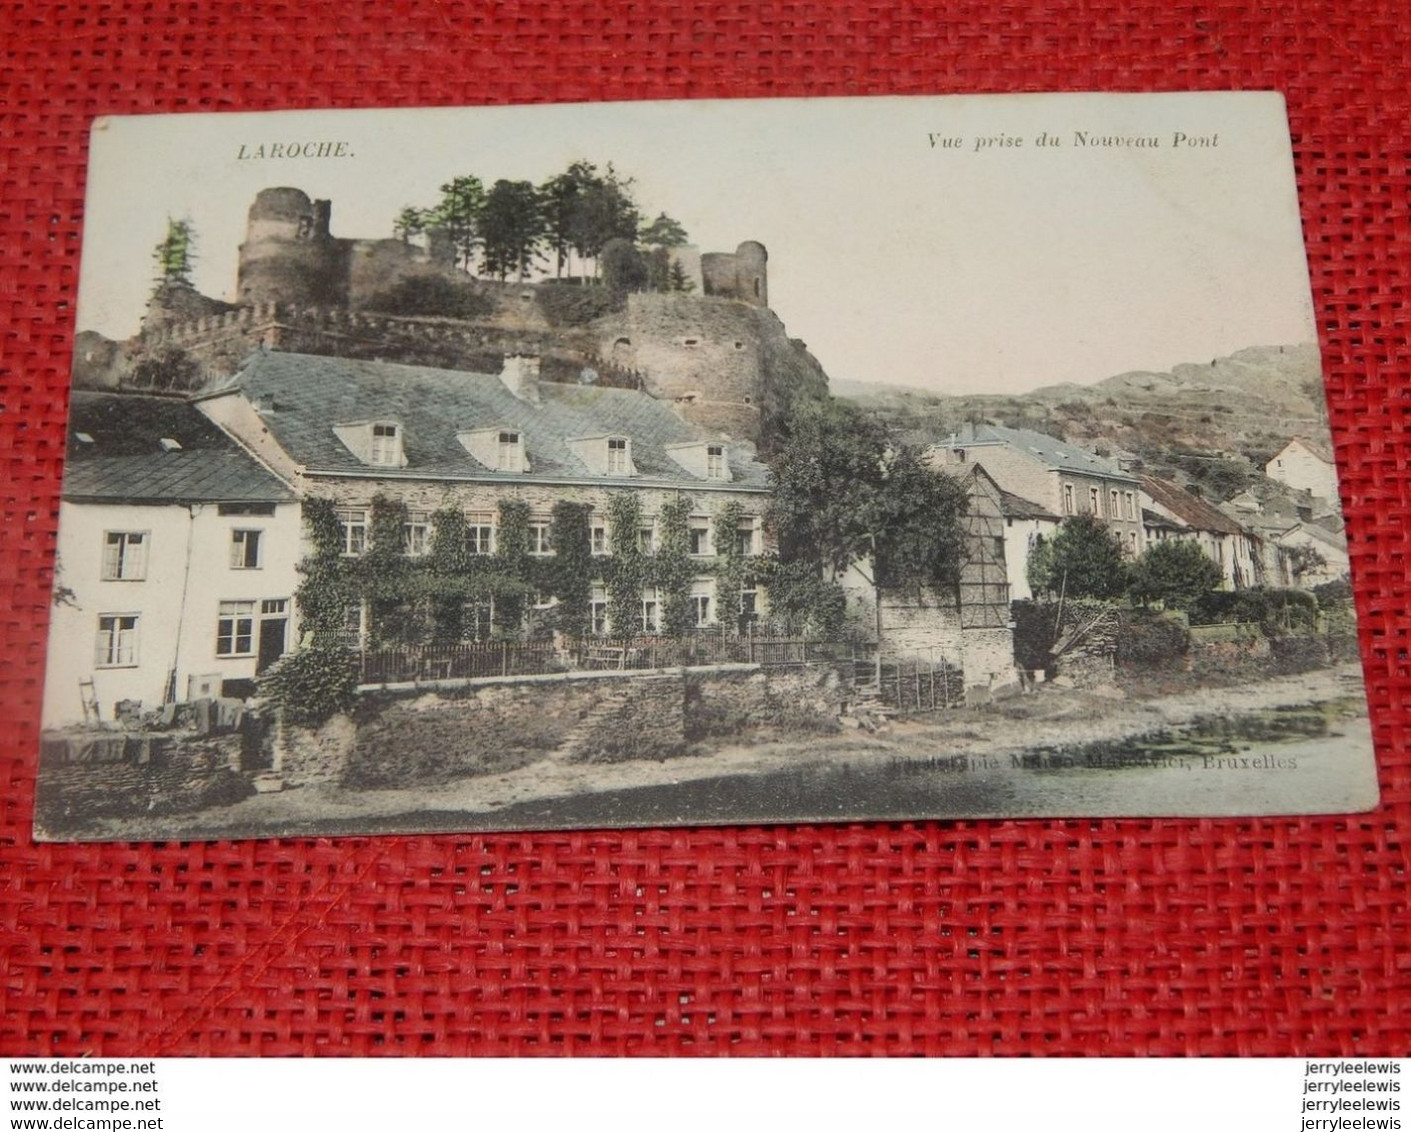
point(916, 684)
point(416, 663)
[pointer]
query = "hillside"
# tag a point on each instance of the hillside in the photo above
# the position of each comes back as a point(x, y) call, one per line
point(1214, 423)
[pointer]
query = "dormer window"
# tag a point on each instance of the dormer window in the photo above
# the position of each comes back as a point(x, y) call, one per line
point(705, 460)
point(378, 443)
point(619, 461)
point(169, 445)
point(715, 461)
point(500, 449)
point(509, 452)
point(605, 455)
point(386, 449)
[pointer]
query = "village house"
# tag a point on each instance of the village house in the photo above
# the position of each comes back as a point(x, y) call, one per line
point(1062, 478)
point(177, 553)
point(1026, 525)
point(966, 626)
point(1306, 465)
point(350, 431)
point(1175, 513)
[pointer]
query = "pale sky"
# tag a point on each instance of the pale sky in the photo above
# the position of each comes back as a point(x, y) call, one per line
point(897, 261)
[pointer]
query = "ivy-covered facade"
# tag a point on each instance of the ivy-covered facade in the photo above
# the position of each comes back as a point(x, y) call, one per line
point(444, 508)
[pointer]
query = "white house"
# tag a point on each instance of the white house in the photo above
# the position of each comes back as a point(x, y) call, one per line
point(1316, 554)
point(1175, 513)
point(1026, 525)
point(176, 564)
point(1306, 465)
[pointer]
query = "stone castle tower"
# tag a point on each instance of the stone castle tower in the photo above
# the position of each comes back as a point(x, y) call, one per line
point(291, 256)
point(716, 352)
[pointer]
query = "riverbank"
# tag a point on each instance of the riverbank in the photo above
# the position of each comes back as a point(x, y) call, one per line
point(981, 751)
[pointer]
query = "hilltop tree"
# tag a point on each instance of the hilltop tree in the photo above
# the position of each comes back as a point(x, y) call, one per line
point(585, 209)
point(459, 213)
point(677, 279)
point(663, 232)
point(625, 269)
point(559, 197)
point(1175, 572)
point(410, 222)
point(176, 254)
point(512, 229)
point(1083, 559)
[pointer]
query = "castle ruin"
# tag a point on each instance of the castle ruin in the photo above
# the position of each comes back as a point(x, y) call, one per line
point(716, 352)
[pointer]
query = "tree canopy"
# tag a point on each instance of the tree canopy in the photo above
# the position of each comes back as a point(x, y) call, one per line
point(1175, 572)
point(844, 492)
point(175, 255)
point(512, 229)
point(1083, 559)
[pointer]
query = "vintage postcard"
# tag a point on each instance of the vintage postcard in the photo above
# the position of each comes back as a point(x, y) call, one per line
point(714, 462)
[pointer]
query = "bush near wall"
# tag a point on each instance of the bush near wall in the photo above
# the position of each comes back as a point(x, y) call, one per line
point(1152, 641)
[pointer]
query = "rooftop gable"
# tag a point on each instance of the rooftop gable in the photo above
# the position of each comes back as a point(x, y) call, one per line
point(1194, 512)
point(139, 448)
point(1048, 450)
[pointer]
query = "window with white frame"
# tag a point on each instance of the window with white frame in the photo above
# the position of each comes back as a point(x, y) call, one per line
point(510, 452)
point(598, 611)
point(386, 449)
point(352, 525)
point(699, 535)
point(702, 594)
point(416, 534)
point(245, 550)
point(480, 532)
point(235, 629)
point(715, 461)
point(1128, 506)
point(1092, 501)
point(745, 539)
point(124, 556)
point(540, 531)
point(1112, 503)
point(647, 537)
point(619, 457)
point(598, 538)
point(651, 609)
point(1068, 499)
point(116, 646)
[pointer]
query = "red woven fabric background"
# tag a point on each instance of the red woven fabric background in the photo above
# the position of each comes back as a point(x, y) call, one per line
point(1074, 937)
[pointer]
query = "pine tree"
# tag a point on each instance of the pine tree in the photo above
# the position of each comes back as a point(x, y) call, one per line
point(175, 255)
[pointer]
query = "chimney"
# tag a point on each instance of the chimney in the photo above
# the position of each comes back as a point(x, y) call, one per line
point(521, 376)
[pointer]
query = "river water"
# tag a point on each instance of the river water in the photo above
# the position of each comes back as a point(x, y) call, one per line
point(1312, 758)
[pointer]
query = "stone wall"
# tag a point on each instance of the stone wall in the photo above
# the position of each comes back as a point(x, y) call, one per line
point(121, 775)
point(417, 735)
point(728, 703)
point(702, 353)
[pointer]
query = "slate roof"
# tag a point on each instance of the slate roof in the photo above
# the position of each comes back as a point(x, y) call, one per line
point(1194, 512)
point(1016, 507)
point(1049, 450)
point(125, 460)
point(312, 394)
point(1159, 522)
